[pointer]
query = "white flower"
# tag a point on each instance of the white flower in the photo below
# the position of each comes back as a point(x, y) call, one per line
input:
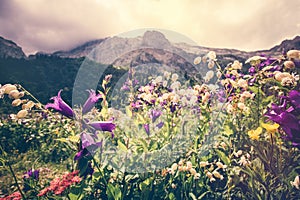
point(175, 85)
point(193, 171)
point(210, 64)
point(217, 175)
point(189, 165)
point(174, 77)
point(197, 60)
point(211, 55)
point(237, 65)
point(167, 74)
point(289, 64)
point(219, 74)
point(242, 83)
point(21, 114)
point(209, 75)
point(293, 54)
point(16, 102)
point(296, 182)
point(255, 59)
point(221, 165)
point(8, 88)
point(158, 79)
point(204, 164)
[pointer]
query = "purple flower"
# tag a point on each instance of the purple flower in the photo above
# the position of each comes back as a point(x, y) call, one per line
point(154, 115)
point(88, 145)
point(32, 174)
point(103, 126)
point(294, 97)
point(147, 129)
point(60, 106)
point(90, 102)
point(287, 116)
point(160, 125)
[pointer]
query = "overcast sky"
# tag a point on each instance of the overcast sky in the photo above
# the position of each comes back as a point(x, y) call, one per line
point(50, 25)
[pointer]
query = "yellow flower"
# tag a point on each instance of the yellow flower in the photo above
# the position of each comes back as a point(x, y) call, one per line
point(271, 128)
point(254, 134)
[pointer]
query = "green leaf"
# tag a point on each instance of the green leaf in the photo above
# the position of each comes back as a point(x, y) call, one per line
point(113, 192)
point(223, 156)
point(122, 146)
point(192, 196)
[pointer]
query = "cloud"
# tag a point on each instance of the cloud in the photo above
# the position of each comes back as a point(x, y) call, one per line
point(41, 25)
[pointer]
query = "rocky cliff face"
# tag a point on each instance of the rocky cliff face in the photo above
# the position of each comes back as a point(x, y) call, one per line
point(9, 49)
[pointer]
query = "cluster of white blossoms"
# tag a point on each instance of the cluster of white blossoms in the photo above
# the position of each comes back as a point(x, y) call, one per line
point(13, 93)
point(184, 167)
point(210, 59)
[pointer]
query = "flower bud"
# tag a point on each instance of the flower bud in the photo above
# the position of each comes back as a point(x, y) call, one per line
point(15, 94)
point(189, 165)
point(193, 171)
point(289, 64)
point(8, 88)
point(16, 102)
point(197, 60)
point(293, 54)
point(21, 114)
point(28, 105)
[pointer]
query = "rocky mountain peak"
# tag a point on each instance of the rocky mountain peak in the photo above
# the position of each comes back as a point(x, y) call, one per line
point(9, 49)
point(155, 39)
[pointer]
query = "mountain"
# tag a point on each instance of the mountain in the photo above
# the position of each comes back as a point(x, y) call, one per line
point(9, 49)
point(43, 74)
point(80, 51)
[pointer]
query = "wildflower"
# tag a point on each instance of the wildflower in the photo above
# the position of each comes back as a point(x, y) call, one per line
point(243, 161)
point(103, 125)
point(14, 196)
point(211, 55)
point(16, 102)
point(173, 186)
point(242, 83)
point(32, 174)
point(204, 164)
point(210, 64)
point(209, 75)
point(219, 74)
point(14, 94)
point(174, 77)
point(296, 182)
point(293, 54)
point(28, 105)
point(289, 64)
point(174, 166)
point(90, 102)
point(236, 65)
point(88, 145)
point(255, 59)
point(59, 185)
point(209, 174)
point(60, 106)
point(154, 115)
point(21, 114)
point(254, 134)
point(160, 125)
point(271, 128)
point(197, 60)
point(217, 175)
point(287, 118)
point(189, 165)
point(294, 97)
point(147, 129)
point(8, 88)
point(238, 153)
point(221, 165)
point(193, 171)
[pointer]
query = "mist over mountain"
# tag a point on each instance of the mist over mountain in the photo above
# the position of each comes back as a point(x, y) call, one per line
point(46, 73)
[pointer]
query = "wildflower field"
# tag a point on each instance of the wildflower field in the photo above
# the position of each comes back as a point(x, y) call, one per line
point(233, 135)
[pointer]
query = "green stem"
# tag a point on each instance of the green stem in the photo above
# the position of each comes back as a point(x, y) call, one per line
point(12, 172)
